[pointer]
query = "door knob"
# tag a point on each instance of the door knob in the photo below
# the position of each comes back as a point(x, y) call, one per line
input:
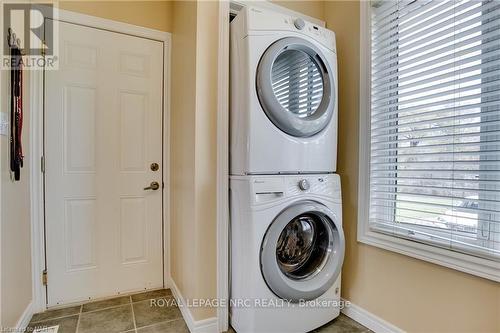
point(153, 186)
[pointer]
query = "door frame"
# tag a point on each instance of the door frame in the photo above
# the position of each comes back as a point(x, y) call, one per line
point(36, 110)
point(223, 167)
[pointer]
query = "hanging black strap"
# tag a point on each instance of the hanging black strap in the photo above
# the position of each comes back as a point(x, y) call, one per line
point(16, 159)
point(12, 113)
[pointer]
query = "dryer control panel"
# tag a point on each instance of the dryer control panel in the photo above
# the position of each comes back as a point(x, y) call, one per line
point(261, 19)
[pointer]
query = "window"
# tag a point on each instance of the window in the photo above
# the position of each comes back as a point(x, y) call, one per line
point(430, 131)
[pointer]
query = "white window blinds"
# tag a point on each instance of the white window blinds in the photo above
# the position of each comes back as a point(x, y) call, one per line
point(435, 123)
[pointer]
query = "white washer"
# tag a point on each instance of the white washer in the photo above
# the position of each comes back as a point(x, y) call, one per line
point(283, 95)
point(287, 244)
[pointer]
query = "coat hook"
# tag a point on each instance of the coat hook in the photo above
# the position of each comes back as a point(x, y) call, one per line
point(12, 40)
point(9, 36)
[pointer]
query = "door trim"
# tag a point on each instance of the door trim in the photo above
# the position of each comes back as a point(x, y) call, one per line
point(36, 109)
point(223, 168)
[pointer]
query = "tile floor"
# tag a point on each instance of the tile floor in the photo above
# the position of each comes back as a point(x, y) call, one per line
point(135, 314)
point(122, 314)
point(342, 324)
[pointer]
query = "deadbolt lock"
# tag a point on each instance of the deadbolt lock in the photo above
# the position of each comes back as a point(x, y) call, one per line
point(155, 167)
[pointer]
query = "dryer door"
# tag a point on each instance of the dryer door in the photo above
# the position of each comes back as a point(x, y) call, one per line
point(302, 252)
point(295, 86)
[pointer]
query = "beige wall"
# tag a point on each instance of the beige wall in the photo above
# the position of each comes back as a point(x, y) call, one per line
point(206, 150)
point(193, 150)
point(412, 294)
point(15, 238)
point(183, 121)
point(311, 8)
point(150, 14)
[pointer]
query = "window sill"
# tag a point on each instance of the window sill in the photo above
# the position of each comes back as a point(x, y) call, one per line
point(484, 268)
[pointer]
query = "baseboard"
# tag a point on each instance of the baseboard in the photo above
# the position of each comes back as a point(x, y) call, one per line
point(25, 318)
point(368, 319)
point(208, 325)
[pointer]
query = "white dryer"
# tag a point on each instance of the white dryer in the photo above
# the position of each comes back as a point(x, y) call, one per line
point(283, 95)
point(287, 250)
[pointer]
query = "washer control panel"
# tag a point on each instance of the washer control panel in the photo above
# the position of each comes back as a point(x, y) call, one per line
point(299, 23)
point(271, 188)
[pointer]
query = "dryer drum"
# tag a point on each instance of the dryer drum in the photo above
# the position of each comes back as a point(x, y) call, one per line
point(295, 87)
point(302, 252)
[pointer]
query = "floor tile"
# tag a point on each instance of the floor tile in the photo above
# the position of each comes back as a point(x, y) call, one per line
point(342, 324)
point(151, 295)
point(174, 326)
point(51, 314)
point(113, 320)
point(147, 314)
point(66, 325)
point(107, 303)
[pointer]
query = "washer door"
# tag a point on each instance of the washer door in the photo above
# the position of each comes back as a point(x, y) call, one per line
point(295, 87)
point(302, 252)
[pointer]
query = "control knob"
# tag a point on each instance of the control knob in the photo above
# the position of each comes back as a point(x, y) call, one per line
point(299, 23)
point(304, 185)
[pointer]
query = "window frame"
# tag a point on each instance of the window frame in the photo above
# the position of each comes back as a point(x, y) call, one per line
point(481, 267)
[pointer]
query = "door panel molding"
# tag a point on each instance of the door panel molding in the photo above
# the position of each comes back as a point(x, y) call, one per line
point(36, 88)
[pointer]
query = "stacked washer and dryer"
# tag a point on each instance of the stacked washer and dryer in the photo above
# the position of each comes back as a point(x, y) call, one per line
point(287, 242)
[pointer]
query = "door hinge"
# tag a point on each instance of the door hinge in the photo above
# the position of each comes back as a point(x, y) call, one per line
point(44, 277)
point(42, 164)
point(43, 48)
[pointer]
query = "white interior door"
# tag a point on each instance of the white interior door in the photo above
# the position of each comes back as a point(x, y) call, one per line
point(103, 131)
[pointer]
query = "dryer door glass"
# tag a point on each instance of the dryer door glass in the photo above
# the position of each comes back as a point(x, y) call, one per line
point(295, 86)
point(302, 252)
point(297, 82)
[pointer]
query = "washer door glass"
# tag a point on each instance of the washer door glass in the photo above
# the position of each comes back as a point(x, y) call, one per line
point(295, 87)
point(302, 252)
point(303, 246)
